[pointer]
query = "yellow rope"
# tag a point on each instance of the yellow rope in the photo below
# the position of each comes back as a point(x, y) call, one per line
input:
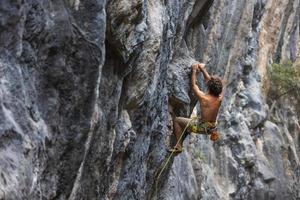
point(166, 163)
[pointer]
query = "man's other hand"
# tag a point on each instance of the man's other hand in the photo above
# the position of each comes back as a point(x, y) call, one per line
point(201, 66)
point(195, 67)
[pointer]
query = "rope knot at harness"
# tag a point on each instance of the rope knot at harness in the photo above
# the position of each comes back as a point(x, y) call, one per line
point(207, 128)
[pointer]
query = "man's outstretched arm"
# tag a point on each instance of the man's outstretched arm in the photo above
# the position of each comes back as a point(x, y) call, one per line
point(194, 85)
point(204, 72)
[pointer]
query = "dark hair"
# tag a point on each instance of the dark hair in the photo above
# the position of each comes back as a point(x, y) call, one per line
point(215, 86)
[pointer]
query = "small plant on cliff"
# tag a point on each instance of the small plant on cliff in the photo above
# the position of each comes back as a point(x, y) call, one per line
point(284, 80)
point(199, 155)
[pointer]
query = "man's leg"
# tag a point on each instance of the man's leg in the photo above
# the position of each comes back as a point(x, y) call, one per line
point(179, 125)
point(177, 133)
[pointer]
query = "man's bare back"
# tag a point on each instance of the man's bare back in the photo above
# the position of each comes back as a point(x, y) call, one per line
point(209, 107)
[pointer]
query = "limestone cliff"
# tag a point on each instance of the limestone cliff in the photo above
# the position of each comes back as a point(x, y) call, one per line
point(87, 88)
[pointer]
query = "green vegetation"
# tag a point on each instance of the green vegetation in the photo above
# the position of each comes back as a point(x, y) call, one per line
point(284, 80)
point(199, 155)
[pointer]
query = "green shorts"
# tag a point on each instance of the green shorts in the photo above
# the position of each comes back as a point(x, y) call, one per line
point(196, 125)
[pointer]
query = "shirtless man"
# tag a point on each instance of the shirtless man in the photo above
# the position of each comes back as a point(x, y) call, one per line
point(209, 103)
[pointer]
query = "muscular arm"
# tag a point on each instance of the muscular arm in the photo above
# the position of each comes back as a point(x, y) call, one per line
point(194, 85)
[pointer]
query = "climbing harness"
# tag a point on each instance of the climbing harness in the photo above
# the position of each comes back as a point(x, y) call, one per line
point(205, 127)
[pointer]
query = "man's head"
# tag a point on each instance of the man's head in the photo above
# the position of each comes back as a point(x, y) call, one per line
point(215, 86)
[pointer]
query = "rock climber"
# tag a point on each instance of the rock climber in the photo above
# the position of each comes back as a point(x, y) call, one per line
point(209, 104)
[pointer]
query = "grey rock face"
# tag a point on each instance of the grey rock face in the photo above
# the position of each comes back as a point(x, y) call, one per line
point(88, 88)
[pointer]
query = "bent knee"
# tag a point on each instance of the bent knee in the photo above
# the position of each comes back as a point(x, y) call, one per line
point(181, 121)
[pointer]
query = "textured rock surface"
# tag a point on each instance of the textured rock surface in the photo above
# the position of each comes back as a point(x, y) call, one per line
point(87, 88)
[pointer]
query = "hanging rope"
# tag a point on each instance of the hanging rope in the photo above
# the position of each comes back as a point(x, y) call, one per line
point(167, 161)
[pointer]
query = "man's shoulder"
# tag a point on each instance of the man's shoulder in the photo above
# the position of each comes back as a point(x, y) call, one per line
point(211, 99)
point(204, 97)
